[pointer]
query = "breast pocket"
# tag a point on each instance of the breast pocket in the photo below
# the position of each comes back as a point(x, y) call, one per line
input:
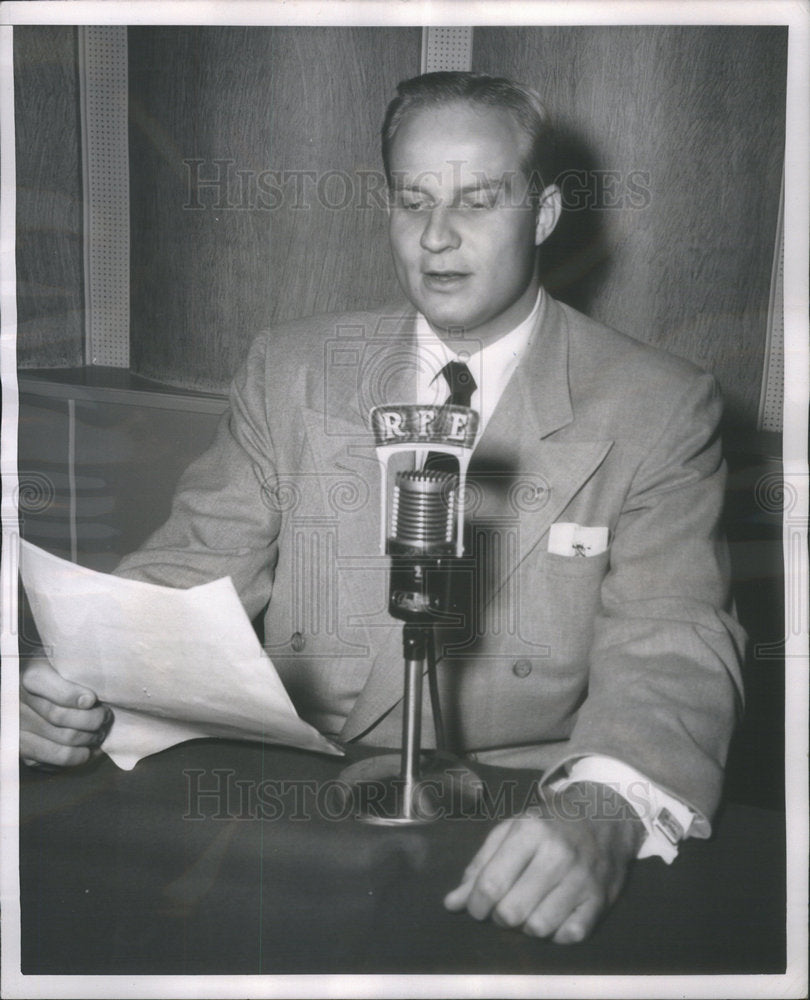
point(558, 598)
point(585, 567)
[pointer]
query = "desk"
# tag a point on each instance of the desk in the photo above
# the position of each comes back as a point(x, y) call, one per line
point(117, 877)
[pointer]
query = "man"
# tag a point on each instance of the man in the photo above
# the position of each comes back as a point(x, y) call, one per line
point(601, 650)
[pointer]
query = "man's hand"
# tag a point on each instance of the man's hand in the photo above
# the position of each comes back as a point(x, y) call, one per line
point(60, 722)
point(553, 876)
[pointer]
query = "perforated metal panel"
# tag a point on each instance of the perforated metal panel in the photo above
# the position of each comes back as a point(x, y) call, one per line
point(446, 49)
point(773, 376)
point(105, 171)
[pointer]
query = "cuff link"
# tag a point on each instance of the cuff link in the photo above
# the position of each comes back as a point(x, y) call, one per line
point(666, 823)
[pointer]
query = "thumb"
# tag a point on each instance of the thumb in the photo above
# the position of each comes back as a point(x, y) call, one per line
point(40, 678)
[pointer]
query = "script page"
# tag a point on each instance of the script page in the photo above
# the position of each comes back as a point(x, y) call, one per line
point(173, 664)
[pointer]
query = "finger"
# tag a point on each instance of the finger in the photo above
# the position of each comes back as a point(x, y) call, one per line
point(44, 751)
point(581, 921)
point(556, 905)
point(89, 720)
point(501, 872)
point(40, 678)
point(539, 880)
point(457, 898)
point(39, 766)
point(556, 862)
point(32, 722)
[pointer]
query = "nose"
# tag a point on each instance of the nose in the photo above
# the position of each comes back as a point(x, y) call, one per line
point(438, 233)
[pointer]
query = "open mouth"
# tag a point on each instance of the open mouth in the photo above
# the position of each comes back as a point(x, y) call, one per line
point(444, 279)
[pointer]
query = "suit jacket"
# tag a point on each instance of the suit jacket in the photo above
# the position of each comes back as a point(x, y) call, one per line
point(631, 652)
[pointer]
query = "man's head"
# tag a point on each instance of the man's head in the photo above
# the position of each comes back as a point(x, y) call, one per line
point(434, 90)
point(463, 155)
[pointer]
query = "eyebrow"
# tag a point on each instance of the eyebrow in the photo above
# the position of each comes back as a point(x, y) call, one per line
point(485, 184)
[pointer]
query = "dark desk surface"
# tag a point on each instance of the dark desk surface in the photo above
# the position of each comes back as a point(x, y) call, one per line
point(116, 878)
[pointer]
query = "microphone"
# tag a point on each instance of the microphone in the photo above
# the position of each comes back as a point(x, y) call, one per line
point(449, 429)
point(422, 547)
point(424, 536)
point(426, 525)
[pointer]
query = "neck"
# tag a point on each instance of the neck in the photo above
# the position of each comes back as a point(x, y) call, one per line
point(479, 337)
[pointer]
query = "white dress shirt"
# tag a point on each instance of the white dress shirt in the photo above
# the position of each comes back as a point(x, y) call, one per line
point(666, 819)
point(498, 361)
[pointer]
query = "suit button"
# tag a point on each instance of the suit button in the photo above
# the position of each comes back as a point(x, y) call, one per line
point(522, 668)
point(297, 642)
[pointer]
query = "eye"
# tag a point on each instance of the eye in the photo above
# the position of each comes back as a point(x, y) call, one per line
point(411, 201)
point(479, 201)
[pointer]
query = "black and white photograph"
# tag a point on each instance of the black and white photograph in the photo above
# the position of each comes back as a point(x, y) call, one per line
point(404, 459)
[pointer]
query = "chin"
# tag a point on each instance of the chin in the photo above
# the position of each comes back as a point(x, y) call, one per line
point(448, 327)
point(443, 320)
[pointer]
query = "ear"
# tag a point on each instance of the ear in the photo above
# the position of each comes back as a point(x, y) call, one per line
point(549, 208)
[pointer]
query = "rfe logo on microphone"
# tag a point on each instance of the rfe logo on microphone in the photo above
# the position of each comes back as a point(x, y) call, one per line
point(410, 423)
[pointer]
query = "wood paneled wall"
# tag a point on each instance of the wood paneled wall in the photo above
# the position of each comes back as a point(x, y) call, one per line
point(212, 267)
point(672, 151)
point(675, 244)
point(50, 290)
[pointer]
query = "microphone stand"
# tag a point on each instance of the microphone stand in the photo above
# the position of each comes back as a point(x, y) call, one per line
point(413, 787)
point(415, 640)
point(426, 547)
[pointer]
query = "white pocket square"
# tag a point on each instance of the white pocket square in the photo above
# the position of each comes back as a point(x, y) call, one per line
point(568, 539)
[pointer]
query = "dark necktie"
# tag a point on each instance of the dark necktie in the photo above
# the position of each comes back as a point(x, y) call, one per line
point(462, 386)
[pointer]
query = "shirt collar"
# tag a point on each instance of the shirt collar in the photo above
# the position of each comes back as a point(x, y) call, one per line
point(491, 367)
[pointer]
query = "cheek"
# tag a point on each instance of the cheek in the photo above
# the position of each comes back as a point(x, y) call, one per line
point(519, 252)
point(508, 236)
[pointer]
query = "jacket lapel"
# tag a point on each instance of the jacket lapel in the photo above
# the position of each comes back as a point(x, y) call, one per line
point(349, 487)
point(520, 475)
point(343, 456)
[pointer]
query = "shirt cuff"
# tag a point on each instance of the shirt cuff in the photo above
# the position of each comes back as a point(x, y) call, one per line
point(666, 819)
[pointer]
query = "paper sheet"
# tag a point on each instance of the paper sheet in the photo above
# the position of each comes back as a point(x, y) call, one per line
point(173, 664)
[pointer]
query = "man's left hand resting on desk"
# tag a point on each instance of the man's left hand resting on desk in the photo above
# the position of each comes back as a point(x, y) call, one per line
point(551, 876)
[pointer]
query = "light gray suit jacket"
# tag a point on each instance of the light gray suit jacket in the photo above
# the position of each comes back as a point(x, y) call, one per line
point(631, 652)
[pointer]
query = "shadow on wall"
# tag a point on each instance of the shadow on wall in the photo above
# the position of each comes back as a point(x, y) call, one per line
point(756, 499)
point(575, 259)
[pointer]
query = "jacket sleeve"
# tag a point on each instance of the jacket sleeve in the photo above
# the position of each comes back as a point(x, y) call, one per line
point(223, 520)
point(664, 687)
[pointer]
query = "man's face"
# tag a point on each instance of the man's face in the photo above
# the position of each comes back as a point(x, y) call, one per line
point(463, 232)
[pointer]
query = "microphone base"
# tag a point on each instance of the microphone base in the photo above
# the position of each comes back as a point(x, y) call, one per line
point(444, 788)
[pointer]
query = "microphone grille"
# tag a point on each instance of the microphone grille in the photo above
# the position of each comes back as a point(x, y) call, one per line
point(423, 511)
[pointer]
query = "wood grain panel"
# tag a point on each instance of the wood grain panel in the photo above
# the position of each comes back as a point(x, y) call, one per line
point(700, 112)
point(50, 290)
point(264, 247)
